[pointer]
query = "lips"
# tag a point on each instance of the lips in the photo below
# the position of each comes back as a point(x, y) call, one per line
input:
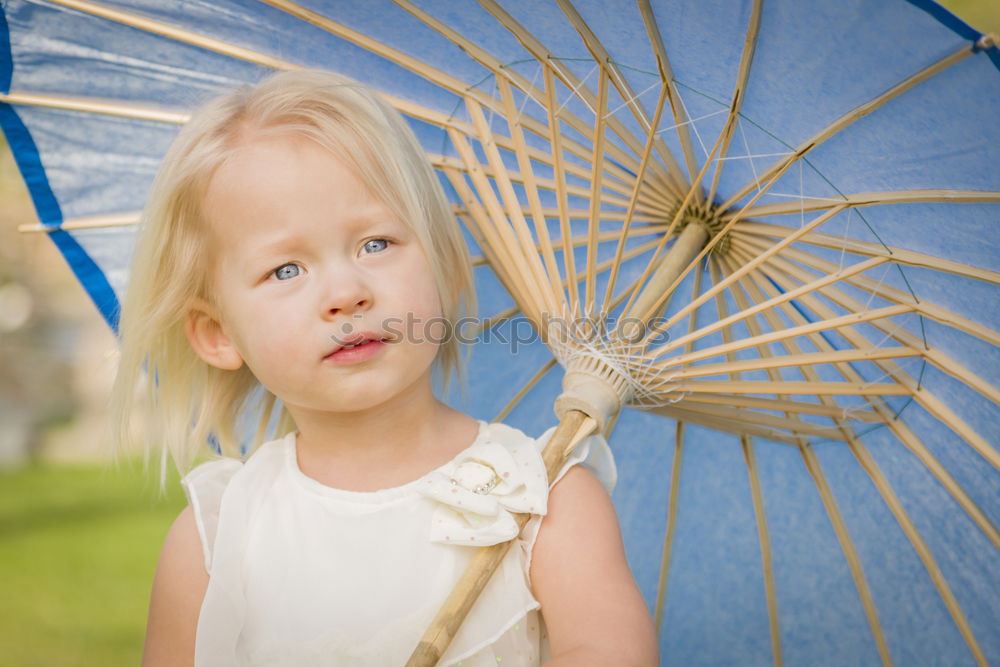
point(357, 340)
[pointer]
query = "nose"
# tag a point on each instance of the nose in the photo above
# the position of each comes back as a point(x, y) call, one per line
point(345, 292)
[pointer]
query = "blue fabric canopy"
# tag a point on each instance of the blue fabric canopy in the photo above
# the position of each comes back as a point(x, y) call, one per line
point(873, 540)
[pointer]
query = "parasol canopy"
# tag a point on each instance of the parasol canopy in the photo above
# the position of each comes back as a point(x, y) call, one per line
point(797, 201)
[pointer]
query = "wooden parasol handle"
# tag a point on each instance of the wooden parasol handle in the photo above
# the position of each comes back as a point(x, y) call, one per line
point(573, 427)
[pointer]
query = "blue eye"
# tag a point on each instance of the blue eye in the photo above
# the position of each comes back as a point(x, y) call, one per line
point(286, 271)
point(376, 245)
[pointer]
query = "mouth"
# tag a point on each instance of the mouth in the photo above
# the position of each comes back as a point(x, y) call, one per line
point(358, 341)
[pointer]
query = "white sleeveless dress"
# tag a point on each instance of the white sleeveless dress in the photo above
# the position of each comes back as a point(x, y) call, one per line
point(305, 574)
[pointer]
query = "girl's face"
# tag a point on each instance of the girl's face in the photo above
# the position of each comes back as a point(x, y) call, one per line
point(306, 260)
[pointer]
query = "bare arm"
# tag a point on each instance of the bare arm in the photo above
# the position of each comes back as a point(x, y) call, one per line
point(178, 590)
point(593, 610)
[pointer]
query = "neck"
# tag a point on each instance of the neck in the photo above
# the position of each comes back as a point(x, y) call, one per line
point(410, 428)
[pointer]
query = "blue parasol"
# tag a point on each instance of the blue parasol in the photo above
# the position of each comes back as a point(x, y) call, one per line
point(797, 200)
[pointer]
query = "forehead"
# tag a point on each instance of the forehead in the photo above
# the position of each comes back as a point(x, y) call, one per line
point(287, 183)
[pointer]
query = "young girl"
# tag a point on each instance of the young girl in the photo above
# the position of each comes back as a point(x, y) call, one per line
point(297, 261)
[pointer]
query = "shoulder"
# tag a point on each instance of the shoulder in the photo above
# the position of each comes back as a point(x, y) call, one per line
point(579, 510)
point(182, 547)
point(208, 484)
point(178, 590)
point(215, 475)
point(506, 435)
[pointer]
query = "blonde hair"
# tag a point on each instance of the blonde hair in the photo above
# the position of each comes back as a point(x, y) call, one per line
point(187, 401)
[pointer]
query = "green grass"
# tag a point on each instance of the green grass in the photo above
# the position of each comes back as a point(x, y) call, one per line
point(78, 548)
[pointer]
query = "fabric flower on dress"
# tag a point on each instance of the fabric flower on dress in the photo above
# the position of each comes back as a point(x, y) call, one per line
point(481, 488)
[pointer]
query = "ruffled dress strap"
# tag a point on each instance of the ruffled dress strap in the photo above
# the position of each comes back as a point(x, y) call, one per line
point(204, 486)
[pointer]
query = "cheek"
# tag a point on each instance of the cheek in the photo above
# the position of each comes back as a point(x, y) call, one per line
point(418, 288)
point(425, 321)
point(264, 338)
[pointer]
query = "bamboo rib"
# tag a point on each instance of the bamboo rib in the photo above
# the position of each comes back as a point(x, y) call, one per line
point(885, 490)
point(762, 256)
point(722, 311)
point(746, 60)
point(864, 354)
point(437, 77)
point(439, 162)
point(114, 108)
point(786, 406)
point(847, 547)
point(550, 61)
point(919, 449)
point(555, 141)
point(500, 236)
point(718, 236)
point(445, 81)
point(531, 189)
point(500, 71)
point(930, 402)
point(647, 209)
point(771, 177)
point(603, 266)
point(652, 224)
point(796, 388)
point(805, 450)
point(132, 218)
point(836, 126)
point(675, 471)
point(482, 229)
point(658, 288)
point(857, 200)
point(840, 323)
point(128, 219)
point(897, 255)
point(905, 435)
point(765, 547)
point(93, 105)
point(634, 198)
point(646, 206)
point(520, 239)
point(926, 308)
point(624, 88)
point(667, 76)
point(613, 184)
point(770, 303)
point(595, 189)
point(794, 425)
point(482, 219)
point(175, 33)
point(737, 428)
point(576, 241)
point(668, 534)
point(940, 360)
point(923, 551)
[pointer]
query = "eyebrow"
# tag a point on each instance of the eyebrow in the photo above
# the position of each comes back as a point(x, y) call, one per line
point(282, 243)
point(279, 246)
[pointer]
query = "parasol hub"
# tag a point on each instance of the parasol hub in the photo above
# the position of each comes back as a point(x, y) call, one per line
point(709, 216)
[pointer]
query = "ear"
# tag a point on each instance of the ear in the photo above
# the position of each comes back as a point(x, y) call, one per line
point(207, 338)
